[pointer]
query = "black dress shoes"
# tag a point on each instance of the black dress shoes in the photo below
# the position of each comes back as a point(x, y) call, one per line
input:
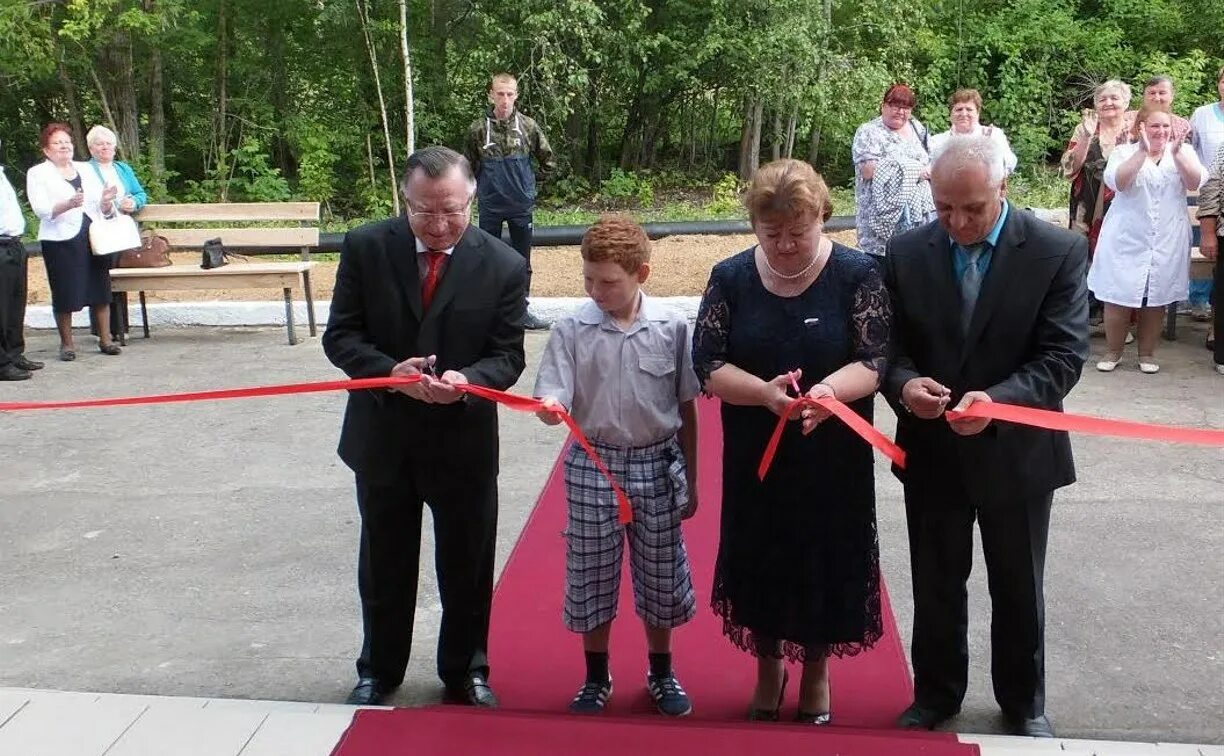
point(1033, 727)
point(919, 717)
point(369, 691)
point(27, 364)
point(475, 692)
point(13, 372)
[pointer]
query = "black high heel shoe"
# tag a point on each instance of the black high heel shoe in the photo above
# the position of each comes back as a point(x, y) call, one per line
point(770, 715)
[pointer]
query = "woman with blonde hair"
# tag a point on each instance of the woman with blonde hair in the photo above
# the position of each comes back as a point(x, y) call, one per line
point(797, 577)
point(1143, 253)
point(102, 143)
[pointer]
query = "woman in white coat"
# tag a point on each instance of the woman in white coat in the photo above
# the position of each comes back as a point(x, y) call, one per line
point(1142, 257)
point(67, 196)
point(964, 114)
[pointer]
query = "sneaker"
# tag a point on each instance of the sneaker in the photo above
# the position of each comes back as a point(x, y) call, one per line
point(668, 696)
point(592, 697)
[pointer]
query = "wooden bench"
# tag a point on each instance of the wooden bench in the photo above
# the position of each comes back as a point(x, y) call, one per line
point(286, 276)
point(188, 226)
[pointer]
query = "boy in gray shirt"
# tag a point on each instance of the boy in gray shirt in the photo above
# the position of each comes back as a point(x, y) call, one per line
point(621, 364)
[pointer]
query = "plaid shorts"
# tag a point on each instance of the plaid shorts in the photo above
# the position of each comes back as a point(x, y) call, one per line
point(653, 477)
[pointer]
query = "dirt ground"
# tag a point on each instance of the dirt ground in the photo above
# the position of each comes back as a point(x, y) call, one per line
point(680, 266)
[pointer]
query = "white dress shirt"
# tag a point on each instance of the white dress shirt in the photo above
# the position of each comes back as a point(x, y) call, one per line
point(1144, 246)
point(12, 222)
point(45, 188)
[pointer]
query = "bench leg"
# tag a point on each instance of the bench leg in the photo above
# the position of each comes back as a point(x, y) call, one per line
point(1170, 331)
point(144, 314)
point(289, 315)
point(310, 313)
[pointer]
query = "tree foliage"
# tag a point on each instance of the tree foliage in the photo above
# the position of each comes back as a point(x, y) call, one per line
point(272, 99)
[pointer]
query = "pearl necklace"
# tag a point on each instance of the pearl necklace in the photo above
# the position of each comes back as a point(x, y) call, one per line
point(793, 276)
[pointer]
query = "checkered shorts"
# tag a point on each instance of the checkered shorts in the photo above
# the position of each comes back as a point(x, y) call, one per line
point(653, 477)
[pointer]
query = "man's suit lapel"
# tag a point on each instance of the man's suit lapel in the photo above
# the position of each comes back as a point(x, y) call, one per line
point(944, 292)
point(403, 254)
point(1005, 270)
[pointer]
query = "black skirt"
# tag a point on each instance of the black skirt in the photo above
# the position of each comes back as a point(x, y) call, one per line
point(78, 278)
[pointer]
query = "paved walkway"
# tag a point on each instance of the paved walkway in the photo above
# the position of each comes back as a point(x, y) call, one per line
point(53, 723)
point(207, 552)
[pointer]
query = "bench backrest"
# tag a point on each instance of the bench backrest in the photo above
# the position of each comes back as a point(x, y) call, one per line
point(190, 225)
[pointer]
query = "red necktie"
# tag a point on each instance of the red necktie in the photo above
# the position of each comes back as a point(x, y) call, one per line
point(430, 284)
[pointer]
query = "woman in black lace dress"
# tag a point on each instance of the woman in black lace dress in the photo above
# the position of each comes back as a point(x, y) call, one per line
point(797, 576)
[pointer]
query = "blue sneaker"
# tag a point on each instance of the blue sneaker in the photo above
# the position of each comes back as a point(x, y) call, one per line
point(592, 697)
point(668, 696)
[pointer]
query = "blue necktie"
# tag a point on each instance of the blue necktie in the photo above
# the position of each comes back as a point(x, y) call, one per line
point(970, 283)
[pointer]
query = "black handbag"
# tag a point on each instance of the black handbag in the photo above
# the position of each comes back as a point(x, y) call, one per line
point(214, 255)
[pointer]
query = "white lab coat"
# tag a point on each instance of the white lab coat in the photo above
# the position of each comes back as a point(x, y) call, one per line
point(1144, 244)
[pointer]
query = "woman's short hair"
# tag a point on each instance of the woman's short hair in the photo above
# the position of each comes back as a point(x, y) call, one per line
point(965, 95)
point(98, 133)
point(900, 95)
point(787, 188)
point(1155, 80)
point(617, 239)
point(1121, 87)
point(44, 138)
point(1146, 111)
point(1220, 73)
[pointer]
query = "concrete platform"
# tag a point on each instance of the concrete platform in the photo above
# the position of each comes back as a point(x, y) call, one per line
point(208, 551)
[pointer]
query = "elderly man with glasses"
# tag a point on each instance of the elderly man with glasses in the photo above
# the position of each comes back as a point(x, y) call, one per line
point(426, 294)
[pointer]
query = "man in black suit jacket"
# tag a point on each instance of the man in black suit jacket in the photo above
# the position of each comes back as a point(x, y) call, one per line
point(989, 304)
point(427, 294)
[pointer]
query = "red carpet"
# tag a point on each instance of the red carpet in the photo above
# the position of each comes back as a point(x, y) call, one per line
point(537, 665)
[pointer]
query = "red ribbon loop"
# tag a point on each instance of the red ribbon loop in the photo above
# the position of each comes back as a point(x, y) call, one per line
point(864, 429)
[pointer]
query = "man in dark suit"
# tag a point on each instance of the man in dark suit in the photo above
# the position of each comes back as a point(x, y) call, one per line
point(426, 294)
point(989, 305)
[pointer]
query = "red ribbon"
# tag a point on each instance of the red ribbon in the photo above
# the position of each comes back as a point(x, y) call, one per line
point(864, 429)
point(1097, 426)
point(513, 401)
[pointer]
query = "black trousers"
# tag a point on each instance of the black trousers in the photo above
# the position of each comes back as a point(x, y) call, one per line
point(1217, 299)
point(520, 233)
point(14, 267)
point(1014, 534)
point(464, 510)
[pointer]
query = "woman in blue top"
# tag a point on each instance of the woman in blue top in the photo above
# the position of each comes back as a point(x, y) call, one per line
point(102, 142)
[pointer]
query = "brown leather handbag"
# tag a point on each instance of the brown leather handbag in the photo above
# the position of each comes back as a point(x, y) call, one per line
point(154, 252)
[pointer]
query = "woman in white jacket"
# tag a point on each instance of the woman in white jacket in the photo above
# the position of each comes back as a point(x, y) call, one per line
point(67, 195)
point(965, 110)
point(1142, 259)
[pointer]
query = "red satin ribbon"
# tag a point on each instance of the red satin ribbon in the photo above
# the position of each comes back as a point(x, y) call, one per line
point(513, 401)
point(1097, 426)
point(864, 429)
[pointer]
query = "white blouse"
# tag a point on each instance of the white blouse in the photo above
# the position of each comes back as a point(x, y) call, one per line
point(1144, 246)
point(45, 188)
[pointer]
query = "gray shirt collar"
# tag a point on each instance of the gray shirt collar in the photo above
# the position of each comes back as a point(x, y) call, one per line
point(648, 310)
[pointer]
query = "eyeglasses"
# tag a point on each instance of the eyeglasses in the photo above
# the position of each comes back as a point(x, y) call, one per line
point(465, 213)
point(898, 106)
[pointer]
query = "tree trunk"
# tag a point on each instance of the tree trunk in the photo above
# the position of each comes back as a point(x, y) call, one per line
point(750, 139)
point(711, 138)
point(115, 60)
point(630, 145)
point(364, 18)
point(74, 109)
point(157, 110)
point(775, 149)
point(220, 123)
point(409, 115)
point(814, 141)
point(370, 160)
point(592, 131)
point(107, 113)
point(789, 149)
